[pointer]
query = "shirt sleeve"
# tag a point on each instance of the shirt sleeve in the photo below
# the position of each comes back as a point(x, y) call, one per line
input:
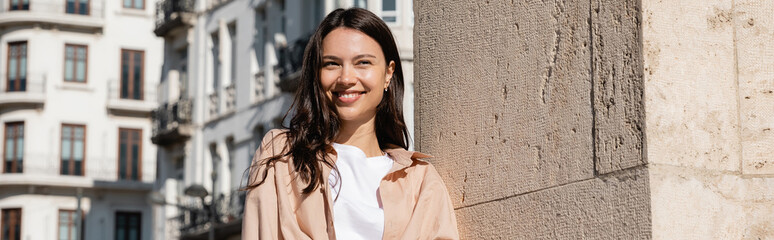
point(433, 215)
point(261, 215)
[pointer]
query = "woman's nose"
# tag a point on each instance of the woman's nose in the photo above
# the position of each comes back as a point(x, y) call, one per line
point(348, 76)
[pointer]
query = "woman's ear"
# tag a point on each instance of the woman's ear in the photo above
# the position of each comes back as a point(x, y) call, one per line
point(388, 74)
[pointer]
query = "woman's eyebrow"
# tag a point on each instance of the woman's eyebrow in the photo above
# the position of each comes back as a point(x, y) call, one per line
point(332, 58)
point(365, 56)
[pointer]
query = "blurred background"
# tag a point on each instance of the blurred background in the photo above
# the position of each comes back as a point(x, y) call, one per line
point(137, 119)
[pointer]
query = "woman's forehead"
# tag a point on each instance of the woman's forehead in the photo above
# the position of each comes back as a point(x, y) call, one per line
point(348, 41)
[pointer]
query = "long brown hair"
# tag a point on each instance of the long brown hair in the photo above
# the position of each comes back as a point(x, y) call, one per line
point(315, 122)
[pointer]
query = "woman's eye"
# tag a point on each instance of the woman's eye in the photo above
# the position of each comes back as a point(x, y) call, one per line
point(364, 62)
point(327, 64)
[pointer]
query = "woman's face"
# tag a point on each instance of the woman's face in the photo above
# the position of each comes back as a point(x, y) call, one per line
point(354, 73)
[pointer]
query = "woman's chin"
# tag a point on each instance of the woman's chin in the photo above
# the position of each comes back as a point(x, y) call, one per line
point(354, 116)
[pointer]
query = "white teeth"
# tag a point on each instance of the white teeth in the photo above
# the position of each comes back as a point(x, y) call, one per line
point(349, 95)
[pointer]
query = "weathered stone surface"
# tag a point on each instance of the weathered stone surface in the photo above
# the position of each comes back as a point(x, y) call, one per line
point(754, 27)
point(689, 203)
point(690, 89)
point(503, 95)
point(619, 114)
point(610, 207)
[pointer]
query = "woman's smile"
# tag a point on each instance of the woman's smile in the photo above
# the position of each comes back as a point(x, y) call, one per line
point(348, 96)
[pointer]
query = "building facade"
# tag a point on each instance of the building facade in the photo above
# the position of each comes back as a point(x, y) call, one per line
point(77, 85)
point(230, 70)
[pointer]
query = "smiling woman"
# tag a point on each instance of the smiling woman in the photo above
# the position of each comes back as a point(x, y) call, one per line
point(342, 168)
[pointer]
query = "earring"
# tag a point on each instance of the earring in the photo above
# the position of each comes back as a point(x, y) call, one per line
point(385, 90)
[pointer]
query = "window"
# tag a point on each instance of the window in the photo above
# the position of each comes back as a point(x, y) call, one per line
point(73, 149)
point(132, 73)
point(14, 148)
point(138, 4)
point(80, 7)
point(20, 5)
point(11, 224)
point(361, 4)
point(75, 63)
point(128, 225)
point(389, 11)
point(17, 67)
point(233, 35)
point(67, 225)
point(129, 152)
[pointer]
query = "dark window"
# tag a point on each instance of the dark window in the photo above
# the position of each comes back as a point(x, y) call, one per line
point(13, 159)
point(128, 225)
point(11, 224)
point(17, 67)
point(75, 63)
point(138, 4)
point(129, 152)
point(73, 149)
point(132, 74)
point(20, 5)
point(389, 11)
point(67, 225)
point(80, 7)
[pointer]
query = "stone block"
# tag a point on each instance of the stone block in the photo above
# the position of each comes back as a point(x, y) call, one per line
point(690, 87)
point(754, 27)
point(615, 206)
point(619, 116)
point(503, 95)
point(690, 203)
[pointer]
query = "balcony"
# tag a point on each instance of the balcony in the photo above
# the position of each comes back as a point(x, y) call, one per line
point(44, 170)
point(230, 97)
point(172, 123)
point(31, 93)
point(119, 105)
point(194, 220)
point(53, 12)
point(172, 14)
point(291, 59)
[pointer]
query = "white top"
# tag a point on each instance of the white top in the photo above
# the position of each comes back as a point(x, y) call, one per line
point(357, 212)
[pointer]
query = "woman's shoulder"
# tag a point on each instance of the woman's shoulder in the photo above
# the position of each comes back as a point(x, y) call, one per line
point(273, 141)
point(276, 135)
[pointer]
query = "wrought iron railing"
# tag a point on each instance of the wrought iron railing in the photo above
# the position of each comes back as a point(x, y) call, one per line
point(168, 118)
point(168, 11)
point(291, 58)
point(195, 216)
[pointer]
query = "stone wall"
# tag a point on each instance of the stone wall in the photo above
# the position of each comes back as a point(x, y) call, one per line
point(534, 113)
point(710, 112)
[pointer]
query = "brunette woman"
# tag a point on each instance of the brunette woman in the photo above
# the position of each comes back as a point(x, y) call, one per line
point(341, 169)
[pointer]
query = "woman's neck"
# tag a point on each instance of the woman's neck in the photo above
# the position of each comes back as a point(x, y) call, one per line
point(360, 135)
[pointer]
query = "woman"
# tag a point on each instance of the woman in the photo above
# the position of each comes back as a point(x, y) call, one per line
point(341, 169)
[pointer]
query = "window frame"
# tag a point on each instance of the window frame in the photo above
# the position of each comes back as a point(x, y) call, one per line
point(128, 163)
point(72, 146)
point(17, 88)
point(393, 13)
point(75, 60)
point(75, 10)
point(59, 223)
point(127, 213)
point(5, 139)
point(18, 222)
point(131, 74)
point(134, 7)
point(10, 6)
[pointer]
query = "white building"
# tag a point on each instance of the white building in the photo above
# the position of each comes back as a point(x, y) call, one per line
point(229, 72)
point(77, 85)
